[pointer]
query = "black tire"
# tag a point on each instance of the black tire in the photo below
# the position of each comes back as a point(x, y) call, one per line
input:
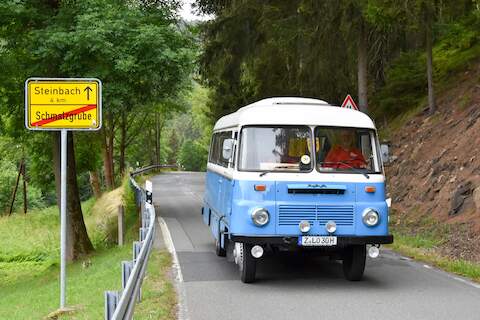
point(219, 251)
point(247, 265)
point(354, 262)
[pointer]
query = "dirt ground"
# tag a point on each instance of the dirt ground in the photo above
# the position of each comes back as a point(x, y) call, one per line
point(435, 175)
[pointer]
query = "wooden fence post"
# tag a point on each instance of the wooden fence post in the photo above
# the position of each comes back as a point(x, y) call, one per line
point(121, 224)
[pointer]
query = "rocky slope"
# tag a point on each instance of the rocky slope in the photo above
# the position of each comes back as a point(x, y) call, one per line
point(435, 177)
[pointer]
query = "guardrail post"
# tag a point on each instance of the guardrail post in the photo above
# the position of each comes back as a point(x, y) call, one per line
point(142, 233)
point(111, 301)
point(127, 267)
point(137, 246)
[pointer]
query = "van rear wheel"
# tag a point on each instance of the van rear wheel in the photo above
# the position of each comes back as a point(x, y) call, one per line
point(247, 264)
point(354, 262)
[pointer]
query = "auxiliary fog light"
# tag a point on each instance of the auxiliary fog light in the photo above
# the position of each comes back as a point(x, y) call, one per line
point(257, 251)
point(260, 217)
point(373, 251)
point(304, 226)
point(370, 217)
point(331, 226)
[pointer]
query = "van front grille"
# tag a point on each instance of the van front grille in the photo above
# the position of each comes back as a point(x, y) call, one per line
point(289, 215)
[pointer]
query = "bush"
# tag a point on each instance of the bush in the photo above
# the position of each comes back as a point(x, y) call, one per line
point(193, 156)
point(8, 173)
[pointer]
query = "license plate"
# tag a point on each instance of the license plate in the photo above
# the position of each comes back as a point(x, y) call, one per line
point(317, 241)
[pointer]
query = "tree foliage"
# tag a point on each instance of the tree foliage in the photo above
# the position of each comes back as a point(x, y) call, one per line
point(253, 50)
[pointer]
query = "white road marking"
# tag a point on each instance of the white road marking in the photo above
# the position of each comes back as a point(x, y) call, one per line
point(182, 296)
point(445, 273)
point(473, 284)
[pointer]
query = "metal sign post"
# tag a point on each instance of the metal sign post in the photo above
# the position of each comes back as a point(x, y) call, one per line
point(56, 104)
point(63, 218)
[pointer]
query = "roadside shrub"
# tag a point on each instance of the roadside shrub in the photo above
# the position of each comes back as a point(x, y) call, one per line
point(8, 173)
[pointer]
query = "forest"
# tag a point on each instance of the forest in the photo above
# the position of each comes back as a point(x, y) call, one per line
point(166, 80)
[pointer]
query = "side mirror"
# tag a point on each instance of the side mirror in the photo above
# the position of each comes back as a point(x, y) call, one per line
point(385, 152)
point(227, 148)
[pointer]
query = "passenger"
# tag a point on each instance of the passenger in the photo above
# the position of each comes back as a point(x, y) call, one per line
point(345, 154)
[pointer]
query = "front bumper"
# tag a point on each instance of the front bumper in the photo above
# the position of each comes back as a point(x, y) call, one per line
point(342, 241)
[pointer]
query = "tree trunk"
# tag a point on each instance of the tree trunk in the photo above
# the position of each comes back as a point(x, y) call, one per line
point(95, 183)
point(14, 194)
point(78, 242)
point(157, 137)
point(428, 42)
point(362, 69)
point(123, 145)
point(108, 152)
point(25, 204)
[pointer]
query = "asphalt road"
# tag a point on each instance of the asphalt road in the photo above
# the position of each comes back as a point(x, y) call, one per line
point(298, 287)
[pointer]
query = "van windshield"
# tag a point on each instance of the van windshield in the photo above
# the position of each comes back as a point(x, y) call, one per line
point(344, 150)
point(285, 148)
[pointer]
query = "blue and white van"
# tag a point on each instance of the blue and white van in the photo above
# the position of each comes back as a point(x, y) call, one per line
point(296, 174)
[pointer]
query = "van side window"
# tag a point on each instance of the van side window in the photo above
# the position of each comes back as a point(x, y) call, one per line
point(216, 148)
point(211, 155)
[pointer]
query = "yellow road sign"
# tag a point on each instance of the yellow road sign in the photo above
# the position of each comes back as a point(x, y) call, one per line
point(55, 104)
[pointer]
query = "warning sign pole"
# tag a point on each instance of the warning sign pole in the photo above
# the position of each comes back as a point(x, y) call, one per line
point(63, 218)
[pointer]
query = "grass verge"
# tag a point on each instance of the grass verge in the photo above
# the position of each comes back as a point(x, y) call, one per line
point(29, 260)
point(426, 248)
point(159, 299)
point(34, 297)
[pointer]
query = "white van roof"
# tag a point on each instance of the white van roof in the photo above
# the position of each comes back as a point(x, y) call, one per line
point(294, 111)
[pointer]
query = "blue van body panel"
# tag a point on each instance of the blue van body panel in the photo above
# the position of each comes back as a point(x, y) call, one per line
point(218, 202)
point(232, 201)
point(245, 200)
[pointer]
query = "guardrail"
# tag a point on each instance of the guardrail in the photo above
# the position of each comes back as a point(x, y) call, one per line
point(121, 304)
point(154, 166)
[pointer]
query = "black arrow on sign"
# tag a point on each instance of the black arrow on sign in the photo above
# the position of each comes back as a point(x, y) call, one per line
point(88, 89)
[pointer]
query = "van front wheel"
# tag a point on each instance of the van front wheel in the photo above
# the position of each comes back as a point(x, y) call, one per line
point(354, 262)
point(247, 264)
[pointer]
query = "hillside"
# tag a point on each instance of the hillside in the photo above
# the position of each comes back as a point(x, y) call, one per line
point(434, 180)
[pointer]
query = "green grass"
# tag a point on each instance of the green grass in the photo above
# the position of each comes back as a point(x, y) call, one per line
point(422, 239)
point(159, 299)
point(424, 248)
point(29, 260)
point(34, 297)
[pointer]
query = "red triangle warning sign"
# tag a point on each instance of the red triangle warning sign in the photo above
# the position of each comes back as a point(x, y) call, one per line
point(349, 103)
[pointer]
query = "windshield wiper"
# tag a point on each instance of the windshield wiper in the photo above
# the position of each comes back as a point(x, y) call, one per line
point(264, 173)
point(276, 167)
point(349, 166)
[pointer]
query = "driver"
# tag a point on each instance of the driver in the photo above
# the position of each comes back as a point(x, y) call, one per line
point(344, 154)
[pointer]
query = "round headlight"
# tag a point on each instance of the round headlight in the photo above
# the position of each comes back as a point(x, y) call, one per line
point(304, 226)
point(331, 226)
point(370, 217)
point(260, 217)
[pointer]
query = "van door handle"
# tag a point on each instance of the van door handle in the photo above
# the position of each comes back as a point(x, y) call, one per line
point(220, 180)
